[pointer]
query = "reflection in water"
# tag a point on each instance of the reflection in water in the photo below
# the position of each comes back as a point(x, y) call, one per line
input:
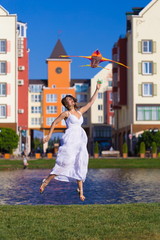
point(102, 186)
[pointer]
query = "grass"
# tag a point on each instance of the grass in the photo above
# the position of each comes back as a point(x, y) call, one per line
point(76, 222)
point(93, 163)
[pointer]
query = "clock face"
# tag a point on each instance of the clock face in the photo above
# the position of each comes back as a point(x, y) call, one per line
point(58, 70)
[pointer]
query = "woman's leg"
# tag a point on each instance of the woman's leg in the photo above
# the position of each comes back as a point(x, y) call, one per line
point(46, 181)
point(80, 190)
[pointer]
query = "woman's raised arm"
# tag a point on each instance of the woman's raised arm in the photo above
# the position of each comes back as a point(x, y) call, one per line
point(92, 100)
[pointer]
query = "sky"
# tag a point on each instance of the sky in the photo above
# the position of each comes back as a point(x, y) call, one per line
point(82, 26)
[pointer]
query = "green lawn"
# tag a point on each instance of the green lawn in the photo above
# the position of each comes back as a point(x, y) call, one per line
point(93, 163)
point(81, 222)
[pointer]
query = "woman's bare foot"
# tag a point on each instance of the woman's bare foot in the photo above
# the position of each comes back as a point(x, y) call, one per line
point(43, 185)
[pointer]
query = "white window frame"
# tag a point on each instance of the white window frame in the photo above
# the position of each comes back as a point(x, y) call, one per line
point(3, 46)
point(110, 96)
point(147, 68)
point(36, 109)
point(64, 109)
point(100, 95)
point(49, 120)
point(35, 121)
point(36, 88)
point(3, 111)
point(51, 97)
point(148, 48)
point(51, 109)
point(100, 107)
point(100, 119)
point(3, 89)
point(36, 98)
point(147, 89)
point(3, 67)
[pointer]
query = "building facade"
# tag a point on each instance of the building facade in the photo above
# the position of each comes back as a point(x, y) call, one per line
point(141, 111)
point(8, 70)
point(101, 110)
point(45, 95)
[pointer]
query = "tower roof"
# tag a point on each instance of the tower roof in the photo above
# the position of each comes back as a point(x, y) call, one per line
point(57, 51)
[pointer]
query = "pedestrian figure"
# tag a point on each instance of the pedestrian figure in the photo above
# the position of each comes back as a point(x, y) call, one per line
point(25, 162)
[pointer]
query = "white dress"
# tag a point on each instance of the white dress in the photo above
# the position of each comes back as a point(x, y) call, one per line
point(72, 158)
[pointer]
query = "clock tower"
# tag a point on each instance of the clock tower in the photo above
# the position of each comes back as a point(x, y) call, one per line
point(58, 68)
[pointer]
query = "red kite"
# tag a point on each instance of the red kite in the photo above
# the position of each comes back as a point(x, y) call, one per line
point(96, 58)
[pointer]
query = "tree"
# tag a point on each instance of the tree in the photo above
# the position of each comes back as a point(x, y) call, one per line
point(96, 147)
point(8, 140)
point(148, 137)
point(124, 148)
point(154, 147)
point(142, 148)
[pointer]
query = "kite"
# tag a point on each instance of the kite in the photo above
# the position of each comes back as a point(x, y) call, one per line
point(96, 58)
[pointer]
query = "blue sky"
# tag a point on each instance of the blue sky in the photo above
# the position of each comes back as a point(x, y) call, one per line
point(85, 26)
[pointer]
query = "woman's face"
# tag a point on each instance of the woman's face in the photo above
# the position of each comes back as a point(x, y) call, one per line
point(70, 101)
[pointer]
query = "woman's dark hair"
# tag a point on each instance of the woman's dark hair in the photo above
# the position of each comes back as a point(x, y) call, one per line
point(64, 101)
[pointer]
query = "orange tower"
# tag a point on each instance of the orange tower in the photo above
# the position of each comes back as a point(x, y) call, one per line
point(58, 86)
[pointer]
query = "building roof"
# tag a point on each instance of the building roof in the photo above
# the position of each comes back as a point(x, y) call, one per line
point(38, 82)
point(136, 11)
point(75, 80)
point(57, 51)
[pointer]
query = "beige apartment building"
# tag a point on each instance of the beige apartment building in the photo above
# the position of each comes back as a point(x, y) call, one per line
point(141, 110)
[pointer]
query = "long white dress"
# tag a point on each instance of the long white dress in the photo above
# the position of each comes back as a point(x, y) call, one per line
point(72, 158)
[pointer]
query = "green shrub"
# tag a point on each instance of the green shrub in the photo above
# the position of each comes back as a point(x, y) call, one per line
point(125, 148)
point(154, 147)
point(142, 147)
point(96, 147)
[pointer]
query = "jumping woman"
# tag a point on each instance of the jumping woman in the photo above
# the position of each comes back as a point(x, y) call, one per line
point(72, 158)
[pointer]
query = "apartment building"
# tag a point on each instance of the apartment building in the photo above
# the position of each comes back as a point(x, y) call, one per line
point(141, 109)
point(8, 70)
point(101, 111)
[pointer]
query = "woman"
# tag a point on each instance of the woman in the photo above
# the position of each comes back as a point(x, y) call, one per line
point(72, 158)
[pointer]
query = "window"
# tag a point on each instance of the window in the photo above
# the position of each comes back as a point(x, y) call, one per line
point(148, 113)
point(110, 96)
point(147, 46)
point(109, 83)
point(36, 88)
point(147, 67)
point(64, 109)
point(111, 109)
point(50, 120)
point(51, 98)
point(81, 87)
point(51, 109)
point(35, 121)
point(2, 89)
point(3, 46)
point(100, 95)
point(100, 107)
point(100, 119)
point(36, 98)
point(147, 89)
point(3, 113)
point(63, 95)
point(81, 97)
point(36, 109)
point(3, 67)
